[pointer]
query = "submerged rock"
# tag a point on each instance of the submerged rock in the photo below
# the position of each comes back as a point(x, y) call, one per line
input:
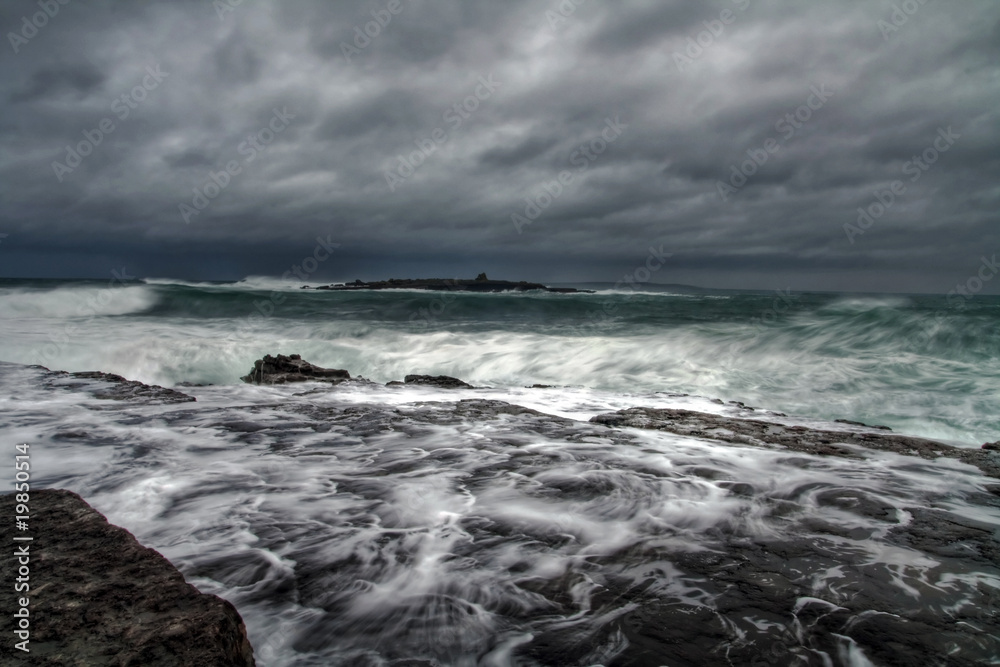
point(282, 370)
point(98, 597)
point(761, 433)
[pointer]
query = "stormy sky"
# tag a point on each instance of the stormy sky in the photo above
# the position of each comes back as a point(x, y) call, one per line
point(531, 139)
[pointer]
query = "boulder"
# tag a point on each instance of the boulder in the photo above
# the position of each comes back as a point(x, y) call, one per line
point(282, 370)
point(98, 597)
point(442, 381)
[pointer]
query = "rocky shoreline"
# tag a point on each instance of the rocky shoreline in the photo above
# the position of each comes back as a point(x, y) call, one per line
point(769, 434)
point(281, 369)
point(126, 604)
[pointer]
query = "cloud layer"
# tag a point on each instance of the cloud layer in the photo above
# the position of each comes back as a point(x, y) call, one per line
point(430, 138)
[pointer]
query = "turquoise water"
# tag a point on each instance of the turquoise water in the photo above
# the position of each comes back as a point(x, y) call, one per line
point(919, 364)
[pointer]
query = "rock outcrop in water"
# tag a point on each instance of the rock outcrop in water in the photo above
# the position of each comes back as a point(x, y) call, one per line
point(98, 597)
point(283, 370)
point(442, 381)
point(109, 386)
point(480, 284)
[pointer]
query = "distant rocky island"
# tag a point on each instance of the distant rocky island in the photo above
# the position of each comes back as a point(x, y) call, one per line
point(480, 284)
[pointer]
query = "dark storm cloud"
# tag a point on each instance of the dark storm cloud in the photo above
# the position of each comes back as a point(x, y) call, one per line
point(412, 132)
point(50, 82)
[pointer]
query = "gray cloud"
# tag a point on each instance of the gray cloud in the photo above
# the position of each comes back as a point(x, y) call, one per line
point(560, 79)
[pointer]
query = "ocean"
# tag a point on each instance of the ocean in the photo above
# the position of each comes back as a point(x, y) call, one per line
point(365, 524)
point(923, 365)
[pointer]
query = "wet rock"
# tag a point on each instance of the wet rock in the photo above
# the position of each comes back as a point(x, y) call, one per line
point(992, 446)
point(860, 424)
point(442, 381)
point(113, 387)
point(121, 389)
point(98, 597)
point(285, 369)
point(759, 433)
point(949, 535)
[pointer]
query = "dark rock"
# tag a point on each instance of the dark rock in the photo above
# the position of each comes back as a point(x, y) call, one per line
point(113, 387)
point(98, 597)
point(992, 446)
point(861, 424)
point(480, 284)
point(282, 370)
point(442, 381)
point(947, 535)
point(760, 433)
point(480, 408)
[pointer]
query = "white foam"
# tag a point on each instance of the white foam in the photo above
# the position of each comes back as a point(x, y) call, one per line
point(73, 303)
point(384, 527)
